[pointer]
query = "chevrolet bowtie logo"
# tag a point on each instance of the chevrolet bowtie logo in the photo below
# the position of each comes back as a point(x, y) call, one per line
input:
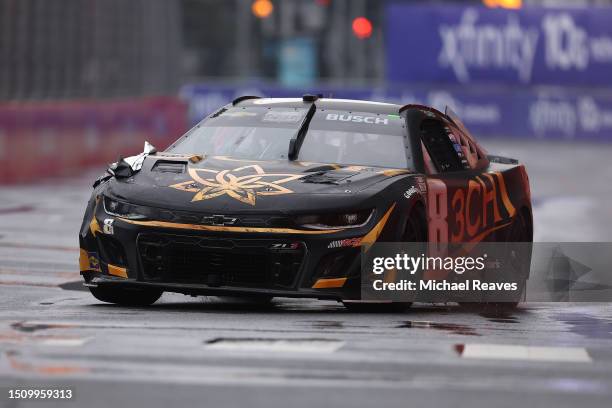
point(242, 183)
point(218, 220)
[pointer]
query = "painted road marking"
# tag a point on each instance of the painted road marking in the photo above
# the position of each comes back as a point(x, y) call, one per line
point(68, 342)
point(275, 345)
point(525, 353)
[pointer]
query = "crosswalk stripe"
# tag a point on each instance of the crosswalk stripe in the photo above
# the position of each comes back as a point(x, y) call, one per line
point(526, 353)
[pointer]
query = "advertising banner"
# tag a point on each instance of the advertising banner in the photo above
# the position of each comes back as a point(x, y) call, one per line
point(550, 113)
point(466, 45)
point(59, 138)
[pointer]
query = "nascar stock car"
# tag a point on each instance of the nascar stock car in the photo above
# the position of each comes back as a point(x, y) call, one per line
point(271, 197)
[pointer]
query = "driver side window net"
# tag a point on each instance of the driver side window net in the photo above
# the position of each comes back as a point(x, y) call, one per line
point(441, 149)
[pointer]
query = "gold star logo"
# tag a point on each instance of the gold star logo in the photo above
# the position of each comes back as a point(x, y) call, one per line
point(242, 183)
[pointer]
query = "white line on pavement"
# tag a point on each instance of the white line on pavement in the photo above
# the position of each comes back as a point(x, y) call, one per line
point(530, 353)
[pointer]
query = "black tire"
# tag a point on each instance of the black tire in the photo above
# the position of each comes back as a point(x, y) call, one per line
point(519, 232)
point(125, 297)
point(415, 231)
point(253, 299)
point(395, 307)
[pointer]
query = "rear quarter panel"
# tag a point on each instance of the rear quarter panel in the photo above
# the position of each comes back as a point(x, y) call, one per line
point(475, 206)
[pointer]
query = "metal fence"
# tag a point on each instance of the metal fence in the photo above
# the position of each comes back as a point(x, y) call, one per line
point(67, 49)
point(88, 48)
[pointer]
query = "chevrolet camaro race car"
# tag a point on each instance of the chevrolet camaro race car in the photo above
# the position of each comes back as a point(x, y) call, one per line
point(276, 197)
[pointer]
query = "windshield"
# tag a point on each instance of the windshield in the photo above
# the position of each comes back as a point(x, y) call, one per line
point(262, 133)
point(255, 143)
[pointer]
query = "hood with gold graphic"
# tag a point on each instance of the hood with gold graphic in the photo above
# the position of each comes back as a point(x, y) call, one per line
point(222, 184)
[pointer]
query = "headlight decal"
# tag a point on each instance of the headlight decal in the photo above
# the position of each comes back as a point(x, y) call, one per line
point(354, 219)
point(124, 210)
point(375, 232)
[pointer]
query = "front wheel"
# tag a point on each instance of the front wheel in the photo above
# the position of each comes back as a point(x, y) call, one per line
point(126, 297)
point(258, 300)
point(520, 232)
point(415, 230)
point(395, 307)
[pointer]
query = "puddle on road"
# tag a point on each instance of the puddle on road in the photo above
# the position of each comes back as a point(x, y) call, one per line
point(56, 301)
point(451, 328)
point(333, 324)
point(497, 318)
point(18, 209)
point(74, 285)
point(33, 327)
point(327, 324)
point(505, 320)
point(586, 325)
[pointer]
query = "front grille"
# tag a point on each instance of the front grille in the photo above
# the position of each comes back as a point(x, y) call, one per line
point(111, 250)
point(220, 262)
point(337, 264)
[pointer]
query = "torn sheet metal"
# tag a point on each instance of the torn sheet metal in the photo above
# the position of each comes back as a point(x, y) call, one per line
point(135, 162)
point(127, 167)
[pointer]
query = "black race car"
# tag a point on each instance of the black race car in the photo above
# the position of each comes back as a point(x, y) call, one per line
point(275, 197)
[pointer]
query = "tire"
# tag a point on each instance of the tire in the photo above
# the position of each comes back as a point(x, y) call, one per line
point(414, 231)
point(125, 297)
point(520, 232)
point(395, 307)
point(261, 300)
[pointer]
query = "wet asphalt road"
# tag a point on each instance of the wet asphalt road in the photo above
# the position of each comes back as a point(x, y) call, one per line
point(211, 352)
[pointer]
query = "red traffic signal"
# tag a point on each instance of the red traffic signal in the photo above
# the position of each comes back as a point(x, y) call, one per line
point(362, 28)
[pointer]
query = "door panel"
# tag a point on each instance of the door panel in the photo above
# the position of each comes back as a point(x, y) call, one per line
point(467, 207)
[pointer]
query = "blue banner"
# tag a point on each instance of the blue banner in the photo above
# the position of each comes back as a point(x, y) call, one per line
point(548, 113)
point(466, 45)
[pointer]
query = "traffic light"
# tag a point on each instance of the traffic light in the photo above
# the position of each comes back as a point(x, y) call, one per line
point(362, 28)
point(262, 8)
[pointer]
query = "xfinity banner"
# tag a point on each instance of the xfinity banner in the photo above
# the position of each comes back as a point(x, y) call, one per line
point(554, 113)
point(464, 45)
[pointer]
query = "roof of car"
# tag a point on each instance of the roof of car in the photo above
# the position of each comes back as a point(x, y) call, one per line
point(349, 105)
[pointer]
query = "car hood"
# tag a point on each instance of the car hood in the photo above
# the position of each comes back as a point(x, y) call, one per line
point(224, 184)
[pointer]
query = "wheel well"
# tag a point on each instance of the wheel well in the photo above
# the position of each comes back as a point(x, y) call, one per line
point(418, 209)
point(526, 213)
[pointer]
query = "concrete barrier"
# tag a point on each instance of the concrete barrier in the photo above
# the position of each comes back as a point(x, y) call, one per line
point(41, 139)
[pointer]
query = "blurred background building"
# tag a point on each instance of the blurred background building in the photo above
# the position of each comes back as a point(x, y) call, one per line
point(82, 81)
